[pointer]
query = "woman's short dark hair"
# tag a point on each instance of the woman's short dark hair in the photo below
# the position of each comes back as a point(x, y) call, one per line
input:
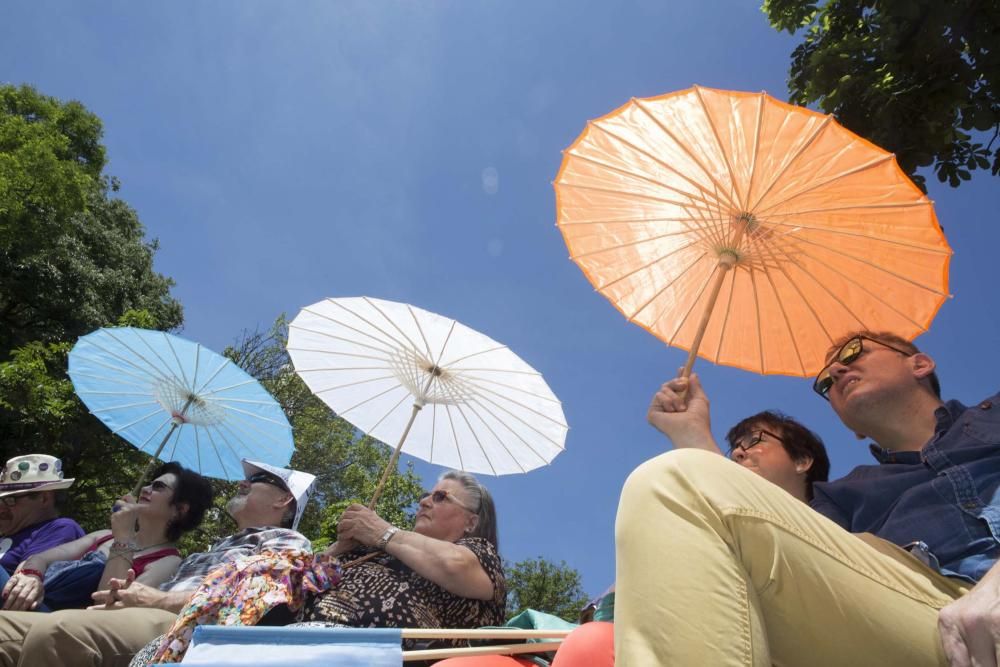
point(192, 490)
point(486, 527)
point(798, 441)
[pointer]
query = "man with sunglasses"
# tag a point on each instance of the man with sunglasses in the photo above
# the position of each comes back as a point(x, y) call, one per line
point(896, 565)
point(29, 515)
point(266, 508)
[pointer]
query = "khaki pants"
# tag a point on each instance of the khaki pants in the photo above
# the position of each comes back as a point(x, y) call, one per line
point(717, 566)
point(78, 637)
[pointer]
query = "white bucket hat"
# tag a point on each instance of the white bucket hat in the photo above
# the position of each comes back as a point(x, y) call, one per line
point(300, 484)
point(32, 473)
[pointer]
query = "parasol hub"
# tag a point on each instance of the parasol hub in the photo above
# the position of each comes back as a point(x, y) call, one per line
point(729, 257)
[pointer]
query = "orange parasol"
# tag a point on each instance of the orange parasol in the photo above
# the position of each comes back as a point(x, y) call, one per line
point(748, 231)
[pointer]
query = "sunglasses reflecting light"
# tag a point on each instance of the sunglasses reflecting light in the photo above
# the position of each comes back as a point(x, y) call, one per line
point(845, 356)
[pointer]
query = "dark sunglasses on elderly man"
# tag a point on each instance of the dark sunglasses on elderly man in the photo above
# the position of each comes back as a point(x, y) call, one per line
point(267, 478)
point(441, 495)
point(846, 355)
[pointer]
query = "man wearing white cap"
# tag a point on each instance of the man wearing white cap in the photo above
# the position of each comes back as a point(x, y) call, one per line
point(266, 508)
point(29, 519)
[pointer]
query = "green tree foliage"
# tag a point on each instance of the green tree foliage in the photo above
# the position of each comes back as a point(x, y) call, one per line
point(72, 256)
point(40, 412)
point(347, 464)
point(921, 78)
point(540, 584)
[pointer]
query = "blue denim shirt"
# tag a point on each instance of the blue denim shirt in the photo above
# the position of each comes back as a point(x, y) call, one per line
point(944, 500)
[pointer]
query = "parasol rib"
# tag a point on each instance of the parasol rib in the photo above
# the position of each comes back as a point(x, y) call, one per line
point(846, 232)
point(861, 287)
point(406, 337)
point(722, 150)
point(478, 382)
point(472, 405)
point(813, 186)
point(324, 334)
point(645, 266)
point(475, 436)
point(451, 363)
point(638, 242)
point(867, 262)
point(725, 318)
point(758, 127)
point(656, 295)
point(784, 317)
point(141, 371)
point(472, 408)
point(795, 285)
point(420, 330)
point(600, 163)
point(629, 195)
point(798, 153)
point(683, 146)
point(388, 345)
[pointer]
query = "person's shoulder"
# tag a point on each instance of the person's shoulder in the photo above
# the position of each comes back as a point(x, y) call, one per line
point(64, 523)
point(285, 538)
point(480, 546)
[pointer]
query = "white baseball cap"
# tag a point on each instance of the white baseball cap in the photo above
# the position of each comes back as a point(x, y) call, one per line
point(300, 484)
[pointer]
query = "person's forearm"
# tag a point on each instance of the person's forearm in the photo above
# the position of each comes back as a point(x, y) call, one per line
point(450, 566)
point(69, 551)
point(695, 441)
point(116, 567)
point(173, 601)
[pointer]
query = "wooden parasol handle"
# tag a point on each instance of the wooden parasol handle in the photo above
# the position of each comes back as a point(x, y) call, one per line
point(727, 260)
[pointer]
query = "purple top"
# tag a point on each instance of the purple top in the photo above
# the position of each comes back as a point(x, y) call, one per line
point(36, 539)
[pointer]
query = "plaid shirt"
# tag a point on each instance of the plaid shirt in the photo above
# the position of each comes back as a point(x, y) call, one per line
point(244, 543)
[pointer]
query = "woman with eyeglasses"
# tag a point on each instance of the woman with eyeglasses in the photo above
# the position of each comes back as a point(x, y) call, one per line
point(773, 445)
point(445, 573)
point(770, 444)
point(142, 538)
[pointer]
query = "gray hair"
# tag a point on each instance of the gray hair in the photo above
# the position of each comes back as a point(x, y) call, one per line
point(481, 499)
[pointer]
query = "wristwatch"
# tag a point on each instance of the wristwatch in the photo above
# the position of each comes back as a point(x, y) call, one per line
point(386, 536)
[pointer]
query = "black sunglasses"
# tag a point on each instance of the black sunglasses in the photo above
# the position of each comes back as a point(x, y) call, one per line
point(157, 485)
point(441, 495)
point(756, 437)
point(846, 355)
point(268, 478)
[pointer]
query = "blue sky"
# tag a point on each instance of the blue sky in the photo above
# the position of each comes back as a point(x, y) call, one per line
point(284, 152)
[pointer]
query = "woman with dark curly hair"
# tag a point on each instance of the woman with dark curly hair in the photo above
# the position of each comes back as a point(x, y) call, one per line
point(141, 539)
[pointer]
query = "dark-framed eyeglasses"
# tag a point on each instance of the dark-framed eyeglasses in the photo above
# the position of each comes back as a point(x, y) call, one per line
point(441, 495)
point(846, 355)
point(268, 478)
point(756, 437)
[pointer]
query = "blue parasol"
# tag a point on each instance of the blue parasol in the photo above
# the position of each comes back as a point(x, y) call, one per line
point(165, 394)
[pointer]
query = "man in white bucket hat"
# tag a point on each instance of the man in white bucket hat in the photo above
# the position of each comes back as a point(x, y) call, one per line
point(29, 518)
point(266, 508)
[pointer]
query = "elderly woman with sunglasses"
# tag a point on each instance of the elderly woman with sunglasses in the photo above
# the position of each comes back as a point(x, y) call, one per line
point(446, 572)
point(141, 539)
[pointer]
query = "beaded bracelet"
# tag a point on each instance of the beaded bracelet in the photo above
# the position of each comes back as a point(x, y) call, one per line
point(31, 572)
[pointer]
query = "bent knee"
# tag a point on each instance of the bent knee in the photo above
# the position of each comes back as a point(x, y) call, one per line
point(679, 463)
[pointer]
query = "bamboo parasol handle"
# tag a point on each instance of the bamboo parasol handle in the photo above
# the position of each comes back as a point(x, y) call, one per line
point(727, 260)
point(177, 421)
